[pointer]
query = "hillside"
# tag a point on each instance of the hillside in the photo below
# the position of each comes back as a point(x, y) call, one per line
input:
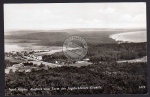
point(44, 38)
point(57, 37)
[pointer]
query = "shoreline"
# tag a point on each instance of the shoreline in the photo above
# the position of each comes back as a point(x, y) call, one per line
point(138, 36)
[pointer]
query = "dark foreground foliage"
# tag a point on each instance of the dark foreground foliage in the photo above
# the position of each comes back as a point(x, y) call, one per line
point(114, 78)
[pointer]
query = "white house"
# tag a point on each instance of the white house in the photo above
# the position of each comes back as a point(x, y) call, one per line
point(39, 57)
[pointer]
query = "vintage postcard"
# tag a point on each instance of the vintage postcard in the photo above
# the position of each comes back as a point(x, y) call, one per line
point(75, 48)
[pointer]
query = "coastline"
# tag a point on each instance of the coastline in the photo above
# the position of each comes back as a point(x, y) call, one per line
point(138, 36)
point(135, 37)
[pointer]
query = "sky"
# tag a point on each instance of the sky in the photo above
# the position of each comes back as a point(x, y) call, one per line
point(46, 16)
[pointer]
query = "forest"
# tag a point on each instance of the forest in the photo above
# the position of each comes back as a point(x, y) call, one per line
point(113, 77)
point(107, 52)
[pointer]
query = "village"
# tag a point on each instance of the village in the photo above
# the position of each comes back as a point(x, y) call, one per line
point(25, 61)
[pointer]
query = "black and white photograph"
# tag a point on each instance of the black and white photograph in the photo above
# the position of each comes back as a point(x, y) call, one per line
point(75, 48)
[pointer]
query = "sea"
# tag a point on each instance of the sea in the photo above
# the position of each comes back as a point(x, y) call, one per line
point(138, 36)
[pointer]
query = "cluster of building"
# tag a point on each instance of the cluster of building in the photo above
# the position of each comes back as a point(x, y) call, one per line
point(24, 54)
point(33, 57)
point(17, 67)
point(37, 60)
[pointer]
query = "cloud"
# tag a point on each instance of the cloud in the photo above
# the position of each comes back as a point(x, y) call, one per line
point(108, 10)
point(74, 15)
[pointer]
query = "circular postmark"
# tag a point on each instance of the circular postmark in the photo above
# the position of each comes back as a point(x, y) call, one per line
point(75, 48)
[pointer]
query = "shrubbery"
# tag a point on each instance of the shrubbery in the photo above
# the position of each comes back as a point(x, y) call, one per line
point(112, 77)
